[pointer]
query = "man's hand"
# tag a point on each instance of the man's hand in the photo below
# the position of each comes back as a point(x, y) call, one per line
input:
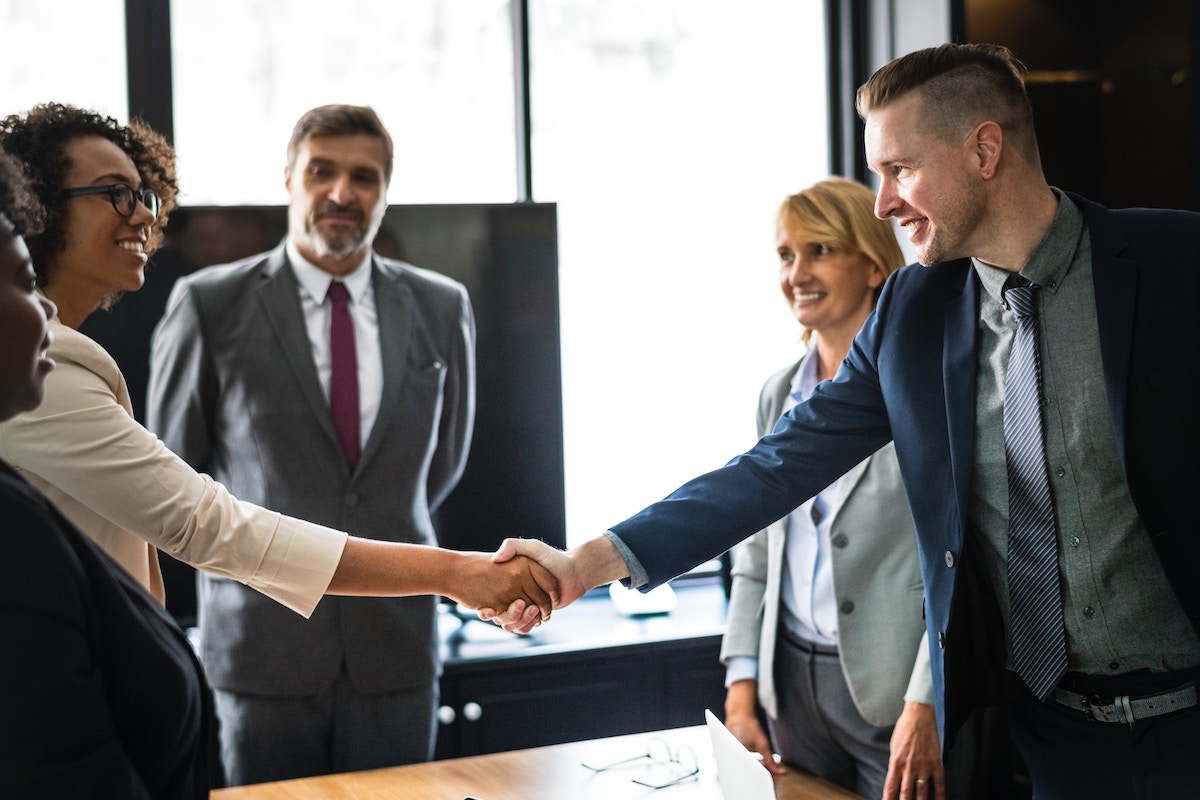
point(526, 589)
point(594, 563)
point(915, 766)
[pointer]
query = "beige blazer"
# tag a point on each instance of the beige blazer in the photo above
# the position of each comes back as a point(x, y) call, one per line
point(122, 487)
point(876, 579)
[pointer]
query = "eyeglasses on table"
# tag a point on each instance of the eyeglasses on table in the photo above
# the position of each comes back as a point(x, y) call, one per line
point(682, 758)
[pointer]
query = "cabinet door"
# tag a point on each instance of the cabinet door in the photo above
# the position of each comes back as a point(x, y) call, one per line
point(550, 704)
point(692, 679)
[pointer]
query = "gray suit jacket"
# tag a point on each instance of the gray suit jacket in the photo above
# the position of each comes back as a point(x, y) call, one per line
point(876, 579)
point(234, 391)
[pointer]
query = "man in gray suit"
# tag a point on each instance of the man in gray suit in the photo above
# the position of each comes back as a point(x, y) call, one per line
point(326, 382)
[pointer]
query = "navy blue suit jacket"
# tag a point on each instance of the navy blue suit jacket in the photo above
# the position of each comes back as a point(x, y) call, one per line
point(910, 376)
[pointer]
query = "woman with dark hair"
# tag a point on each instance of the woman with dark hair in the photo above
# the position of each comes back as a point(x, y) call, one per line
point(102, 695)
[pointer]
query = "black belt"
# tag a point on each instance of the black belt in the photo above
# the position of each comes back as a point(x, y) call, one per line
point(1124, 708)
point(807, 646)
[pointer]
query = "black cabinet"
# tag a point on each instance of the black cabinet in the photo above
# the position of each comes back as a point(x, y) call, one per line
point(589, 672)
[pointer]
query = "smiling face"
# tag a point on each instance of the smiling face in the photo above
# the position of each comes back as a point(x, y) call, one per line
point(105, 252)
point(337, 186)
point(926, 183)
point(830, 291)
point(23, 334)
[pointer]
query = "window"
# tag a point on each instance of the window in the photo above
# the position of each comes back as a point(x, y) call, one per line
point(668, 132)
point(85, 67)
point(438, 73)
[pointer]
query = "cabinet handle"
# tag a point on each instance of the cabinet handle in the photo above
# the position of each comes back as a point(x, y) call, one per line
point(446, 715)
point(472, 711)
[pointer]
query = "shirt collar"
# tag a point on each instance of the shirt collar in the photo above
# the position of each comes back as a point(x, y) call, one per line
point(806, 378)
point(1052, 258)
point(315, 281)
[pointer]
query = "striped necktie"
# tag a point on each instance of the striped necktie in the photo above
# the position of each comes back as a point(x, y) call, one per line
point(1039, 649)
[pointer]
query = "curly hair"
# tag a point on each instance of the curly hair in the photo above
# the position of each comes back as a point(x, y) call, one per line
point(39, 137)
point(17, 200)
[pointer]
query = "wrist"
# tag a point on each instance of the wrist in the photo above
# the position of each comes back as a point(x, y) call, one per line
point(597, 563)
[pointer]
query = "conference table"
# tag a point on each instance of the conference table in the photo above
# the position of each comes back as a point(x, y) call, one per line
point(543, 773)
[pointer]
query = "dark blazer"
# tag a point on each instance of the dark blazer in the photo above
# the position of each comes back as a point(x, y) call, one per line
point(234, 391)
point(100, 694)
point(910, 376)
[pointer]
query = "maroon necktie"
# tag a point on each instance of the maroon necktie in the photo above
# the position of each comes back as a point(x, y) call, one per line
point(343, 383)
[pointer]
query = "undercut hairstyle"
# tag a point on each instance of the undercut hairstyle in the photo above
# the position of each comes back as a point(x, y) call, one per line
point(961, 85)
point(840, 214)
point(18, 204)
point(39, 138)
point(341, 120)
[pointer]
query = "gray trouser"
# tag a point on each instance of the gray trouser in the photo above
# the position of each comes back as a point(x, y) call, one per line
point(819, 729)
point(339, 730)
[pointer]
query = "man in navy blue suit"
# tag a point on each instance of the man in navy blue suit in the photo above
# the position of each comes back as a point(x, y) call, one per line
point(949, 132)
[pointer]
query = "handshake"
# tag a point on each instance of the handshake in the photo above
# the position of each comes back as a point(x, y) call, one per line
point(521, 583)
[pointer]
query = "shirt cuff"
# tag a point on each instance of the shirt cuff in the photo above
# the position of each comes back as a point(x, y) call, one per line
point(740, 668)
point(638, 578)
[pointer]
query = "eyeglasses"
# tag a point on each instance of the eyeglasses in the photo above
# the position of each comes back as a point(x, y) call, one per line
point(124, 197)
point(658, 752)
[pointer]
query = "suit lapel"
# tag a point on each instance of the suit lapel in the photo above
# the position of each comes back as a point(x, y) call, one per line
point(1114, 282)
point(958, 380)
point(280, 299)
point(394, 306)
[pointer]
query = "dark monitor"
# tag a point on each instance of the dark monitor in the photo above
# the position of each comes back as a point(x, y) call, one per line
point(507, 257)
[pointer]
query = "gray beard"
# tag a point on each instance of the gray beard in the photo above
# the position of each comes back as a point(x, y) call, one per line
point(341, 247)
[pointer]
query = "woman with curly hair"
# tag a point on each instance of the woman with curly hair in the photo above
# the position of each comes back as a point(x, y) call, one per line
point(102, 695)
point(107, 189)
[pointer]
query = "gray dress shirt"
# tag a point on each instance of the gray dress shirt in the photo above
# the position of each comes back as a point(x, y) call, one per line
point(1121, 614)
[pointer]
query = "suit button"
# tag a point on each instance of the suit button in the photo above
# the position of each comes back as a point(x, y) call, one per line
point(942, 639)
point(351, 499)
point(847, 606)
point(949, 558)
point(1088, 611)
point(840, 540)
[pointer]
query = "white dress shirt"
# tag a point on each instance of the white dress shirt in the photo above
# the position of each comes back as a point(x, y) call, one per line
point(314, 286)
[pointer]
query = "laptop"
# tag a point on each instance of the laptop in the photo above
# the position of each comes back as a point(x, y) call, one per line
point(740, 775)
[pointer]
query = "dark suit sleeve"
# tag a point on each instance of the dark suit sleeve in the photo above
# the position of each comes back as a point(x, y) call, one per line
point(57, 737)
point(458, 403)
point(178, 396)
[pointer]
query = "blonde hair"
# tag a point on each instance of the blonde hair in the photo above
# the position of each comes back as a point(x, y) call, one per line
point(840, 213)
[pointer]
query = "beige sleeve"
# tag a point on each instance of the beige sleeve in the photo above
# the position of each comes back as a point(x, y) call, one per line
point(83, 444)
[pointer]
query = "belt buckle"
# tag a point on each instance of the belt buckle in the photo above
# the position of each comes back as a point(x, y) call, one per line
point(1093, 707)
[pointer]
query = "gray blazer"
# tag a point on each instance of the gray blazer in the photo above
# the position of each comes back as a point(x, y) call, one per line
point(876, 579)
point(234, 391)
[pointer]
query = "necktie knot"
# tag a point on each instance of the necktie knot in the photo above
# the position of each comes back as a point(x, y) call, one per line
point(1019, 294)
point(337, 292)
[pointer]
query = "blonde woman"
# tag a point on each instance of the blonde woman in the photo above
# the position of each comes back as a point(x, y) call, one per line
point(825, 627)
